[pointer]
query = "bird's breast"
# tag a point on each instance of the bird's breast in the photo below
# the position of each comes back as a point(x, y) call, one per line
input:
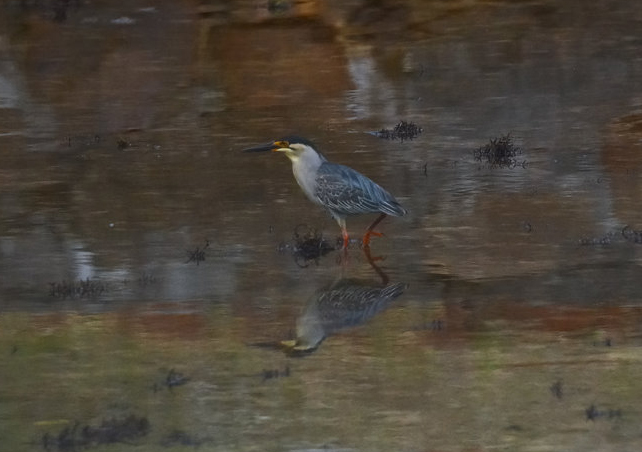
point(306, 177)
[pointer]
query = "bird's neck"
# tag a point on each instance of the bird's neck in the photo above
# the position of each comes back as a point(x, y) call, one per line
point(305, 169)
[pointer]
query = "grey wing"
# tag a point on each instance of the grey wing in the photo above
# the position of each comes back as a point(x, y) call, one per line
point(353, 304)
point(343, 190)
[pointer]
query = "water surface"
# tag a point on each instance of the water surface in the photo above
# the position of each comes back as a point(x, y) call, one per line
point(149, 293)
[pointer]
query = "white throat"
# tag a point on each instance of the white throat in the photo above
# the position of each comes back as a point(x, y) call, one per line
point(305, 166)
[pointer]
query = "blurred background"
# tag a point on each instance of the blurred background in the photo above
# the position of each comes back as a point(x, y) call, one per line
point(157, 288)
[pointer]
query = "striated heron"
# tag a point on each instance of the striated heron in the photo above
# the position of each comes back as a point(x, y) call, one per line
point(345, 304)
point(340, 189)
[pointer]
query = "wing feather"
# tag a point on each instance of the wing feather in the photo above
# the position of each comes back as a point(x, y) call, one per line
point(345, 191)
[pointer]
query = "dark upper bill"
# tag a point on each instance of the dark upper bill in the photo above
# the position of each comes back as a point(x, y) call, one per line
point(268, 147)
point(262, 148)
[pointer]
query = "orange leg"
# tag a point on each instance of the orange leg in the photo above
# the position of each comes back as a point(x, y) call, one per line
point(369, 231)
point(346, 238)
point(344, 232)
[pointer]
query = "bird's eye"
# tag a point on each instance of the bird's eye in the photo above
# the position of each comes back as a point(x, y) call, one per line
point(282, 144)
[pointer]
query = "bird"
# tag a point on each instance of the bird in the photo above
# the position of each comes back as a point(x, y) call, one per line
point(341, 190)
point(344, 304)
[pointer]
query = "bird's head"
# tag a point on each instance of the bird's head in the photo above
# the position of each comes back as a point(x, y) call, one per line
point(293, 147)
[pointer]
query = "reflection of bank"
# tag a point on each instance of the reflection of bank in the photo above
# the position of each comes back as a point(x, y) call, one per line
point(345, 304)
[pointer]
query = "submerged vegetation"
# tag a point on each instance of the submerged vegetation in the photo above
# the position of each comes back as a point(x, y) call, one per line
point(402, 131)
point(307, 245)
point(632, 235)
point(76, 289)
point(627, 233)
point(499, 152)
point(174, 378)
point(593, 414)
point(198, 254)
point(111, 431)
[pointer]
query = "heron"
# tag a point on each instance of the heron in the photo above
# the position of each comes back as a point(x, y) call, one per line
point(341, 190)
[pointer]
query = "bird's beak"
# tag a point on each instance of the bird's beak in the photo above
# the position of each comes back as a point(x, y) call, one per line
point(262, 148)
point(274, 146)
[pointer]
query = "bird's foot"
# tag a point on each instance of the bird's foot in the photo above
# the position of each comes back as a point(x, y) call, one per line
point(366, 238)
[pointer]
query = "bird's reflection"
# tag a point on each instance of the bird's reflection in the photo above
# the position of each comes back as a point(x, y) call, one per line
point(345, 304)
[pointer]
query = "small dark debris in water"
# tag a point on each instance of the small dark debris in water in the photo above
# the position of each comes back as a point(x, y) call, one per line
point(181, 438)
point(122, 144)
point(147, 279)
point(110, 431)
point(81, 289)
point(527, 226)
point(171, 379)
point(593, 414)
point(556, 389)
point(627, 233)
point(591, 241)
point(500, 152)
point(632, 235)
point(174, 378)
point(82, 140)
point(198, 255)
point(307, 245)
point(402, 131)
point(271, 374)
point(14, 349)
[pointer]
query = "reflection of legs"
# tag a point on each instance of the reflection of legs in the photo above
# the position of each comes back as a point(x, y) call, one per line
point(371, 261)
point(369, 231)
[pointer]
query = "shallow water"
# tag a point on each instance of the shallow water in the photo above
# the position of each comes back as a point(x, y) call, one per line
point(150, 292)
